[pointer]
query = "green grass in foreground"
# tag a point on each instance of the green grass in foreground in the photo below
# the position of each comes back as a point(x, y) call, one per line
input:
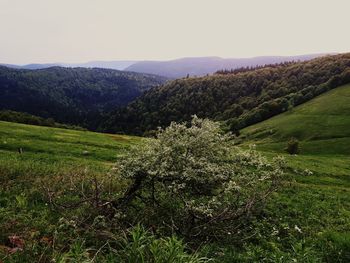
point(47, 153)
point(317, 197)
point(308, 220)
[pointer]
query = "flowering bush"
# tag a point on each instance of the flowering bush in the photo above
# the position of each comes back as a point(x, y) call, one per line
point(193, 180)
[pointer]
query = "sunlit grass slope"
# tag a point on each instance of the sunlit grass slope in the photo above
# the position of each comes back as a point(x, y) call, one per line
point(322, 125)
point(317, 196)
point(60, 147)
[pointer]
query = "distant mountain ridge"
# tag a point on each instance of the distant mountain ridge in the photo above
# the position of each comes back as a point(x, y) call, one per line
point(177, 68)
point(201, 66)
point(117, 65)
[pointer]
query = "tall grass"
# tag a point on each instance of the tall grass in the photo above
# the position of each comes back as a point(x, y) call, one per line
point(135, 246)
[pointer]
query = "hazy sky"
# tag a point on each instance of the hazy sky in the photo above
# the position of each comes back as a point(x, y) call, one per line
point(83, 30)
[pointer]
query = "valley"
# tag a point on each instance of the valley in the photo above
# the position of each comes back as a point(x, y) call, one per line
point(76, 96)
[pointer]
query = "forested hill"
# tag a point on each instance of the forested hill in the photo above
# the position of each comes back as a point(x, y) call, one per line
point(77, 96)
point(240, 98)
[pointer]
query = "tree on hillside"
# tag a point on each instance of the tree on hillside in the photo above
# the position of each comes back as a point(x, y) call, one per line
point(293, 146)
point(192, 180)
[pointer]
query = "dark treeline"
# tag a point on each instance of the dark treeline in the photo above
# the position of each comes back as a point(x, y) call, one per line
point(238, 99)
point(22, 117)
point(76, 96)
point(246, 69)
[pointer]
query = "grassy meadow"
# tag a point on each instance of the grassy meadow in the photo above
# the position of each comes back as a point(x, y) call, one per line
point(61, 146)
point(308, 220)
point(48, 154)
point(322, 124)
point(317, 197)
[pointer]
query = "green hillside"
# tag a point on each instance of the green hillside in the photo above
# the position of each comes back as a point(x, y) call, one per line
point(322, 125)
point(318, 195)
point(306, 221)
point(239, 98)
point(50, 157)
point(56, 148)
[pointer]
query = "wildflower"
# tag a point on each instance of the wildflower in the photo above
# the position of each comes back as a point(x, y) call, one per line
point(297, 229)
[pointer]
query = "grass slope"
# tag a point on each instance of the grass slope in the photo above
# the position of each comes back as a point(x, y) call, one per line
point(306, 221)
point(322, 125)
point(48, 154)
point(317, 197)
point(50, 145)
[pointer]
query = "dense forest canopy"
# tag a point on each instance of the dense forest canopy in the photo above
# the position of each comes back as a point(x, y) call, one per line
point(240, 98)
point(76, 96)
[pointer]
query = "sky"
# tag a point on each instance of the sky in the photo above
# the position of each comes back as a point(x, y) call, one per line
point(42, 31)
